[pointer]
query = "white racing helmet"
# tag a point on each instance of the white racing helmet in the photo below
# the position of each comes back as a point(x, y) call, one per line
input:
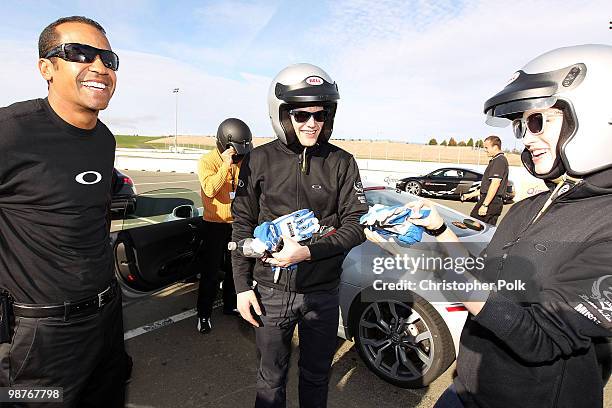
point(577, 80)
point(301, 85)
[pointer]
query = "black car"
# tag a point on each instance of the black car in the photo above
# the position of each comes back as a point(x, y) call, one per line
point(124, 195)
point(448, 182)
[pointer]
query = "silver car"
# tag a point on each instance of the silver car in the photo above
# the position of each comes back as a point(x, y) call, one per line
point(402, 337)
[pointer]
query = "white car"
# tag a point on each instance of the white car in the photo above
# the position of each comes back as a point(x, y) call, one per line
point(403, 338)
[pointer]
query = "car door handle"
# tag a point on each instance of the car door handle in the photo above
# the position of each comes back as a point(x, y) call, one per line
point(194, 233)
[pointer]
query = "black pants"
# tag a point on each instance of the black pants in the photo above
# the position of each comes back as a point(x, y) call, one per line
point(85, 356)
point(449, 399)
point(316, 315)
point(493, 211)
point(217, 257)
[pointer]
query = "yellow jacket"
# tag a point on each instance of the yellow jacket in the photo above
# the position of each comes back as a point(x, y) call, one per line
point(217, 180)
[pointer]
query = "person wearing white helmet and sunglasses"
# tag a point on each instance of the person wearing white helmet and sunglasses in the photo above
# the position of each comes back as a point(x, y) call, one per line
point(547, 345)
point(299, 170)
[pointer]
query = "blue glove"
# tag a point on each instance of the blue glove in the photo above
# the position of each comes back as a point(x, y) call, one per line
point(378, 213)
point(411, 235)
point(266, 233)
point(299, 225)
point(393, 221)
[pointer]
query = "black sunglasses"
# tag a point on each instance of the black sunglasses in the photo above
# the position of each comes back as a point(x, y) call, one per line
point(75, 52)
point(534, 122)
point(301, 116)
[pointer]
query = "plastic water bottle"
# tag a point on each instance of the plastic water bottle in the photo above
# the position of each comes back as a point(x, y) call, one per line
point(246, 247)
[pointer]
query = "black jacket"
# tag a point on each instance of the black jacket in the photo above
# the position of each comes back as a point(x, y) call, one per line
point(536, 348)
point(273, 182)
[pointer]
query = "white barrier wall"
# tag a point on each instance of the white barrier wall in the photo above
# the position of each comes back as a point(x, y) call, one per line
point(377, 171)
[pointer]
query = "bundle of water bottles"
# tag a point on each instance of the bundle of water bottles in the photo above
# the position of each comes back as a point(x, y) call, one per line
point(393, 222)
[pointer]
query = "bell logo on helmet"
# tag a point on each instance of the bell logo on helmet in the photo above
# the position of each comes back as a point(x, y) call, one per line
point(513, 78)
point(314, 80)
point(571, 76)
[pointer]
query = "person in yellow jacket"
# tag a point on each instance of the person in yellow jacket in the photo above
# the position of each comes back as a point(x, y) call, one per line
point(218, 173)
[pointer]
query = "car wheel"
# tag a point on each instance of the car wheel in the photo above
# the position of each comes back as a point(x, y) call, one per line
point(413, 187)
point(404, 343)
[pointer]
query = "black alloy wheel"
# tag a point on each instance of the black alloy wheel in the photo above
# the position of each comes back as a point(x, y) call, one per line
point(404, 343)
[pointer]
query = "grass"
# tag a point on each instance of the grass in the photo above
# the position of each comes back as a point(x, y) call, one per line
point(138, 142)
point(148, 142)
point(362, 149)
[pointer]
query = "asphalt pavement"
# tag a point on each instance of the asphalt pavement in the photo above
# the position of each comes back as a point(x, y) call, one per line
point(175, 366)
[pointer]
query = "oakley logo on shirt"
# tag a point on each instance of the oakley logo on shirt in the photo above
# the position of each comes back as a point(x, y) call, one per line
point(88, 177)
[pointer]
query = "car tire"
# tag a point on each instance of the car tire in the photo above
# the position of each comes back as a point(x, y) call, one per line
point(409, 351)
point(413, 187)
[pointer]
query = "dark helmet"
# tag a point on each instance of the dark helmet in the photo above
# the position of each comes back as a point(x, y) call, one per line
point(296, 86)
point(234, 133)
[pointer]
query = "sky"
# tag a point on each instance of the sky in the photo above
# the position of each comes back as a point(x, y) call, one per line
point(406, 70)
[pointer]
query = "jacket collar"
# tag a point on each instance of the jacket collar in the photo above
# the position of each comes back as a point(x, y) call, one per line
point(297, 149)
point(496, 156)
point(593, 185)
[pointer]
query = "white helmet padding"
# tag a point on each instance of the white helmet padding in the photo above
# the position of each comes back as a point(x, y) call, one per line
point(578, 80)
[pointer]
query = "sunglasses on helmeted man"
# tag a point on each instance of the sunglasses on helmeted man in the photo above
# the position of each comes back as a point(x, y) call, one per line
point(534, 123)
point(75, 52)
point(301, 116)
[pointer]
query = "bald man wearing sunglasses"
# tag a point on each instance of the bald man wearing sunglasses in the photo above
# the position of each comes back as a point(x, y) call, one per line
point(62, 323)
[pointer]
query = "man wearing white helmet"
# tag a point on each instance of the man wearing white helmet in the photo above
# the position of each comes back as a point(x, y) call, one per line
point(547, 346)
point(300, 169)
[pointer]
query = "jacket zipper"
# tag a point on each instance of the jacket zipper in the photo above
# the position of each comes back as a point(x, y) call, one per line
point(297, 182)
point(561, 378)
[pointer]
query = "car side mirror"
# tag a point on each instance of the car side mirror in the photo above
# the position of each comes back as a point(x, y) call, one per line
point(473, 224)
point(184, 211)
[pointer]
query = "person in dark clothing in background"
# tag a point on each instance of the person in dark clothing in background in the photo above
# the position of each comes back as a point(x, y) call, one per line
point(494, 183)
point(541, 347)
point(299, 170)
point(56, 261)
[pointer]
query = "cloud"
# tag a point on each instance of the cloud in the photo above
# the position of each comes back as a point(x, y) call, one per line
point(223, 31)
point(406, 70)
point(20, 79)
point(145, 87)
point(432, 80)
point(237, 17)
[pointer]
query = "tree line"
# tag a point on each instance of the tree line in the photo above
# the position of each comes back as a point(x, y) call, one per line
point(453, 142)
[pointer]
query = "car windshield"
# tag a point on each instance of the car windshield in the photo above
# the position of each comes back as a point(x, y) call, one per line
point(393, 197)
